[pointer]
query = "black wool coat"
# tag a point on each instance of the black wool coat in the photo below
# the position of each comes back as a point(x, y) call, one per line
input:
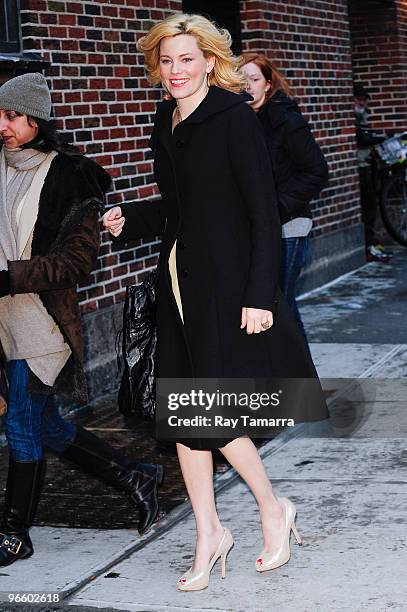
point(219, 203)
point(299, 166)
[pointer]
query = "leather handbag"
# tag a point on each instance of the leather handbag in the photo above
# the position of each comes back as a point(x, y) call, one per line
point(139, 349)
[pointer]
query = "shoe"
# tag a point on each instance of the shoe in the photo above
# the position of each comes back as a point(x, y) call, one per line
point(139, 481)
point(268, 561)
point(142, 485)
point(197, 581)
point(377, 253)
point(24, 483)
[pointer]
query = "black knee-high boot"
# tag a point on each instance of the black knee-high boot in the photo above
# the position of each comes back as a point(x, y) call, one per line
point(139, 481)
point(24, 483)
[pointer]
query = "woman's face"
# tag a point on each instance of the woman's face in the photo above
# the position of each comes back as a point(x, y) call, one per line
point(183, 66)
point(15, 129)
point(257, 86)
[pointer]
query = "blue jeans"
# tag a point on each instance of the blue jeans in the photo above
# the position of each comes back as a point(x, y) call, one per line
point(293, 258)
point(32, 421)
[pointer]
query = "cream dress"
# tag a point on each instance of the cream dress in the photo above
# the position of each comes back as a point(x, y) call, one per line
point(172, 264)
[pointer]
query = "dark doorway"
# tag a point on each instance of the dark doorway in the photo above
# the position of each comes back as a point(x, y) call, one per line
point(225, 13)
point(9, 26)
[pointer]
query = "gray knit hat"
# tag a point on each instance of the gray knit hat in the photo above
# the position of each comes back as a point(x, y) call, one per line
point(28, 94)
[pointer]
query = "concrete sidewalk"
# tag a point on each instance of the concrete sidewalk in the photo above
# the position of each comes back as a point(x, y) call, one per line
point(350, 490)
point(351, 495)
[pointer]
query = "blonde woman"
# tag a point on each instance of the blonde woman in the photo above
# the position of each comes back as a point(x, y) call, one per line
point(219, 264)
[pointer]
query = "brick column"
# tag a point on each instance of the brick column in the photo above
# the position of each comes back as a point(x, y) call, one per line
point(379, 58)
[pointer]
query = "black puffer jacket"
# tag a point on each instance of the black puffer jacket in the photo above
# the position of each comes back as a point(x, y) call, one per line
point(299, 167)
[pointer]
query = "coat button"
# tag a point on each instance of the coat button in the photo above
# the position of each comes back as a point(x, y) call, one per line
point(183, 273)
point(181, 245)
point(179, 144)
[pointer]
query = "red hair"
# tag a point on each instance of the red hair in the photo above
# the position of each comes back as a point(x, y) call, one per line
point(270, 72)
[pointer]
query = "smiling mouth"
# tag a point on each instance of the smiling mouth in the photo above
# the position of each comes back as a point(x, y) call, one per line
point(178, 82)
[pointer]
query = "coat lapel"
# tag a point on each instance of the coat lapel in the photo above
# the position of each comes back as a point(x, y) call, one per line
point(29, 211)
point(216, 101)
point(163, 128)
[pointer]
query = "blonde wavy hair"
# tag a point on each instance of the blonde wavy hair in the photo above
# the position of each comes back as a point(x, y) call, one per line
point(211, 40)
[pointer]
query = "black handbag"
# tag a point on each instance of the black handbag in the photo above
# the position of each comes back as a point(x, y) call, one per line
point(139, 347)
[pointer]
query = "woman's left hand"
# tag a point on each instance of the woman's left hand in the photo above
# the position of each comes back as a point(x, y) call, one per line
point(256, 320)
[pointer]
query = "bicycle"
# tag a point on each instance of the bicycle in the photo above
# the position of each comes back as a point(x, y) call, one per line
point(390, 171)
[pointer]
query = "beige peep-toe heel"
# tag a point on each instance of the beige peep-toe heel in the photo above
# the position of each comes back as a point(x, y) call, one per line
point(196, 581)
point(269, 561)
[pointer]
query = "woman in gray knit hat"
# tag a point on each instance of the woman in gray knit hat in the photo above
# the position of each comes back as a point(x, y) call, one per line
point(50, 196)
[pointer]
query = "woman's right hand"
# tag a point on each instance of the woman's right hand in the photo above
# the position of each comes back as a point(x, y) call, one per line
point(113, 221)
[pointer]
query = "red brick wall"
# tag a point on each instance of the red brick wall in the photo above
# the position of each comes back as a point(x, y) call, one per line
point(379, 54)
point(310, 41)
point(101, 96)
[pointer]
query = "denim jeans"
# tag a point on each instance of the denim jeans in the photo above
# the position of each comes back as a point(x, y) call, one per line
point(32, 421)
point(293, 258)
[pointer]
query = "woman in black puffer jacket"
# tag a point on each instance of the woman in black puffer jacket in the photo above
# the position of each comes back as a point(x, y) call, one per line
point(299, 167)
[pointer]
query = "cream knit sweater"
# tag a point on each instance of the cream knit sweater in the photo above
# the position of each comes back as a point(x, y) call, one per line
point(27, 331)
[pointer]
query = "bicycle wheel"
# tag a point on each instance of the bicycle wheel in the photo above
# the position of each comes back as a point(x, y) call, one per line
point(393, 207)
